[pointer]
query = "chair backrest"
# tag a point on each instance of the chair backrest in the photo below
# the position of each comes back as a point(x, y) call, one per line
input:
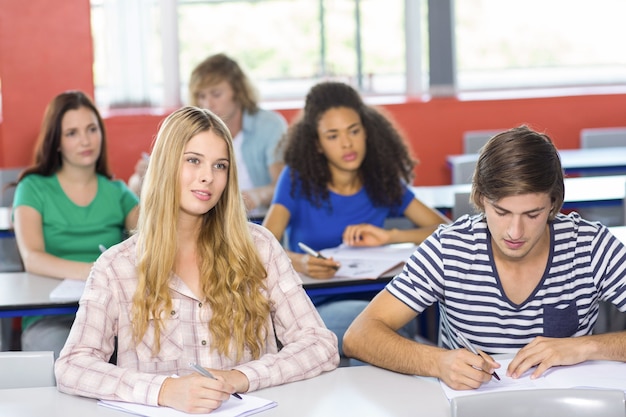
point(463, 171)
point(577, 402)
point(603, 137)
point(26, 369)
point(473, 140)
point(462, 205)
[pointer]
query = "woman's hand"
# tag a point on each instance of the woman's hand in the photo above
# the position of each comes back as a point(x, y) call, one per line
point(195, 393)
point(316, 267)
point(365, 235)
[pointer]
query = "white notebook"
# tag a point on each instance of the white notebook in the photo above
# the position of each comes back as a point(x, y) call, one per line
point(68, 290)
point(369, 262)
point(590, 374)
point(247, 406)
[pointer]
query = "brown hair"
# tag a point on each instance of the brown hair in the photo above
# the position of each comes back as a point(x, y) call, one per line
point(518, 161)
point(47, 157)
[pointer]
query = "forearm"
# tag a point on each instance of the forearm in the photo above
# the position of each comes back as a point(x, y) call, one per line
point(42, 263)
point(381, 346)
point(416, 235)
point(607, 346)
point(314, 352)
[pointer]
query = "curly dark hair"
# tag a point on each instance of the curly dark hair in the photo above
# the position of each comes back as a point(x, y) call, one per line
point(387, 164)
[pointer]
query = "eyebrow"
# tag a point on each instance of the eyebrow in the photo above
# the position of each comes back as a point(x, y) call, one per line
point(202, 155)
point(355, 124)
point(535, 210)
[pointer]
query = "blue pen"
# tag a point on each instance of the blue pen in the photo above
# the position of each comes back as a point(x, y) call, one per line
point(202, 371)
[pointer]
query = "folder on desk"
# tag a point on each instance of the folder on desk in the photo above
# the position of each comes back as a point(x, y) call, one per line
point(369, 262)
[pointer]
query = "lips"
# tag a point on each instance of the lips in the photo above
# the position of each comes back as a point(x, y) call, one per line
point(514, 244)
point(349, 156)
point(202, 195)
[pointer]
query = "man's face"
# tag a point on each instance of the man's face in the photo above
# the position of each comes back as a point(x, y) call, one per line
point(518, 224)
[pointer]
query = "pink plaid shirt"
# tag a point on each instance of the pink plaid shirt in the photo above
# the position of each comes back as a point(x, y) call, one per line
point(308, 347)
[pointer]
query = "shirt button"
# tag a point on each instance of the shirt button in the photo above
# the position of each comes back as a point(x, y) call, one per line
point(200, 305)
point(172, 312)
point(204, 343)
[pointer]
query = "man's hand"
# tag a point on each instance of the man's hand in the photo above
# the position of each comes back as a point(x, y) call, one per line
point(544, 353)
point(460, 369)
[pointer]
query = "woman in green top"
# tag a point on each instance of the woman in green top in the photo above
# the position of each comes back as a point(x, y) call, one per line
point(67, 206)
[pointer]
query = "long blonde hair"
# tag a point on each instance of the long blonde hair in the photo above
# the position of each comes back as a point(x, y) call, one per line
point(232, 274)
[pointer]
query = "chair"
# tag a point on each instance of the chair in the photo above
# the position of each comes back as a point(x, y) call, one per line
point(473, 140)
point(577, 402)
point(603, 137)
point(463, 171)
point(26, 369)
point(462, 205)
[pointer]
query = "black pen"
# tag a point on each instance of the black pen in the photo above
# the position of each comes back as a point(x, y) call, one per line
point(202, 371)
point(468, 345)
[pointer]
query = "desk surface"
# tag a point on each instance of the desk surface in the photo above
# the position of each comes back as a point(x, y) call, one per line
point(579, 192)
point(23, 294)
point(351, 391)
point(582, 160)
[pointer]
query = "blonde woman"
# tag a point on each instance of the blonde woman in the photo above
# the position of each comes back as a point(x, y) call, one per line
point(196, 284)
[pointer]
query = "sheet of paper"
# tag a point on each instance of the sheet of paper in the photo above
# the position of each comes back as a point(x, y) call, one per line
point(68, 290)
point(368, 262)
point(590, 374)
point(234, 407)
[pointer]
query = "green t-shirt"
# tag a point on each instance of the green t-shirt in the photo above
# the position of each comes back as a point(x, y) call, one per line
point(76, 232)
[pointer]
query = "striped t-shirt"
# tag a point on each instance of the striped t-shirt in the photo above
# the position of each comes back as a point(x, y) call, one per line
point(455, 267)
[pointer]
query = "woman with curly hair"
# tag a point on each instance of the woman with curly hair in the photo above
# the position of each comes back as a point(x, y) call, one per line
point(348, 169)
point(198, 284)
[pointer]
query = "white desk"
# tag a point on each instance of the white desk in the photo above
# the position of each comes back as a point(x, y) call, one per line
point(582, 160)
point(351, 391)
point(607, 190)
point(23, 294)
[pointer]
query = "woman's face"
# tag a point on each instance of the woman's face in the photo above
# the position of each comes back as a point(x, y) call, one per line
point(203, 174)
point(81, 138)
point(341, 138)
point(220, 99)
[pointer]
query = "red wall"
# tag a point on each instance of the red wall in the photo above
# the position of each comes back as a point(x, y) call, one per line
point(45, 48)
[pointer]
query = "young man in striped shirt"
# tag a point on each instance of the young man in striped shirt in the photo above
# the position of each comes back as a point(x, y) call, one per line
point(519, 277)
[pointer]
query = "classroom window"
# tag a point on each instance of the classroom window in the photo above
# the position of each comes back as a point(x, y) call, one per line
point(145, 49)
point(284, 45)
point(512, 44)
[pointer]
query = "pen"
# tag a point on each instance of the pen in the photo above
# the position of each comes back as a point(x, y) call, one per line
point(310, 251)
point(313, 253)
point(468, 345)
point(208, 374)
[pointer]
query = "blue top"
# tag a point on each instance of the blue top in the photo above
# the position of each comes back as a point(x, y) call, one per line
point(322, 227)
point(261, 133)
point(455, 267)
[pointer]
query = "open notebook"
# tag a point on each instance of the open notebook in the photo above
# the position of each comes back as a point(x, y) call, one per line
point(590, 374)
point(369, 262)
point(247, 406)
